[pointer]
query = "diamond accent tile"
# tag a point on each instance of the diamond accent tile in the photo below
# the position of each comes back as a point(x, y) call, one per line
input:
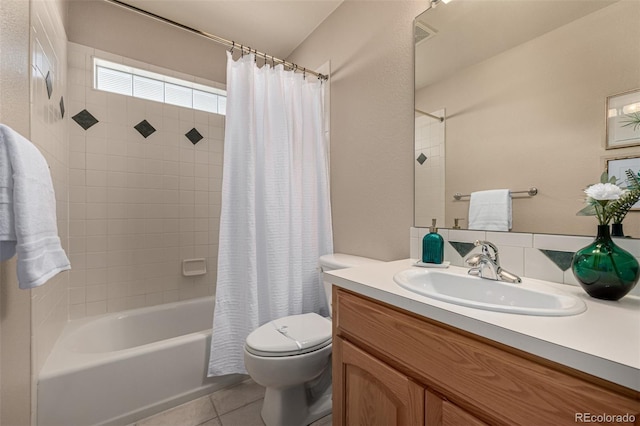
point(49, 84)
point(421, 158)
point(194, 136)
point(62, 106)
point(562, 259)
point(144, 128)
point(463, 249)
point(85, 119)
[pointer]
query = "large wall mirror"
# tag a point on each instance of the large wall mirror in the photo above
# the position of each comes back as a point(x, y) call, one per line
point(513, 94)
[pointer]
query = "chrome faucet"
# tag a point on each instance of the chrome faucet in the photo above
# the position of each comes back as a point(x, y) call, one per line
point(487, 264)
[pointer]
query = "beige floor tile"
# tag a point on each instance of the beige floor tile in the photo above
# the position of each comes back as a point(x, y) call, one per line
point(191, 413)
point(230, 399)
point(249, 415)
point(212, 422)
point(325, 421)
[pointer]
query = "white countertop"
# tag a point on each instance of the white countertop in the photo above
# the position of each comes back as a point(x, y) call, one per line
point(603, 341)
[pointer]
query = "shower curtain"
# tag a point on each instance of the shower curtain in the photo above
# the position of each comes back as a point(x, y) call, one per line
point(275, 219)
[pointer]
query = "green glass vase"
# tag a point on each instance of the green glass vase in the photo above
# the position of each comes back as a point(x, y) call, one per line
point(604, 270)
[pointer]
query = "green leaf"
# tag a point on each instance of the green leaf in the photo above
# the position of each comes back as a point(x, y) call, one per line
point(619, 208)
point(633, 181)
point(589, 210)
point(613, 180)
point(604, 177)
point(632, 119)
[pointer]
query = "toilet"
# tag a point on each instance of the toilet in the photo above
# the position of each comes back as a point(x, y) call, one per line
point(291, 358)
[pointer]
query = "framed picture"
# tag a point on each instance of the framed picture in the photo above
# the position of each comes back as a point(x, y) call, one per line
point(618, 167)
point(623, 120)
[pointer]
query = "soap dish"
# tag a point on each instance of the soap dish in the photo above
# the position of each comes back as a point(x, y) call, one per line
point(194, 267)
point(444, 264)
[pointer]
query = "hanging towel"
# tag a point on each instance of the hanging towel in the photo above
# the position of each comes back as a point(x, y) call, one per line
point(490, 210)
point(28, 212)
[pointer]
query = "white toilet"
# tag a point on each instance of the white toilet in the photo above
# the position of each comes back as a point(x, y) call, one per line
point(291, 358)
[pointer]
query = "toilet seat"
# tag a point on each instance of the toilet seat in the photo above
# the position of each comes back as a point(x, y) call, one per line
point(288, 336)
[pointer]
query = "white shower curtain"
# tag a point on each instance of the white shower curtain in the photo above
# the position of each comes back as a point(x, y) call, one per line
point(276, 218)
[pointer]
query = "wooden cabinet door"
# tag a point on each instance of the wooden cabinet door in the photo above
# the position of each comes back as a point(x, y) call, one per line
point(453, 415)
point(440, 412)
point(367, 392)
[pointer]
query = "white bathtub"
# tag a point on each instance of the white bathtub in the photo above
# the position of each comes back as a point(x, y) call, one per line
point(117, 368)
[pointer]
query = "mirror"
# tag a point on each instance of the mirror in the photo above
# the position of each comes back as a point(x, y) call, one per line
point(522, 88)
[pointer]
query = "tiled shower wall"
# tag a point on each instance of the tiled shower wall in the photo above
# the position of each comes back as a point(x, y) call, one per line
point(540, 256)
point(49, 133)
point(429, 168)
point(138, 206)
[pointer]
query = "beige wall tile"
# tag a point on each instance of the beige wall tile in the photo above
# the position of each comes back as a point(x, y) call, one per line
point(134, 199)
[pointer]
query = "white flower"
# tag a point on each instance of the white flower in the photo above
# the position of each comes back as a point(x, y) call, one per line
point(604, 191)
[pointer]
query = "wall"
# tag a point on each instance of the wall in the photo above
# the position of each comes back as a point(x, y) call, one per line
point(535, 116)
point(32, 320)
point(49, 307)
point(370, 46)
point(139, 206)
point(152, 202)
point(15, 304)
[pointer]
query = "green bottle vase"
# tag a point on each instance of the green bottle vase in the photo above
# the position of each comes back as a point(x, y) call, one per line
point(604, 270)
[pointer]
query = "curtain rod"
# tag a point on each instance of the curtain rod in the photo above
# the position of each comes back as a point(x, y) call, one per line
point(231, 44)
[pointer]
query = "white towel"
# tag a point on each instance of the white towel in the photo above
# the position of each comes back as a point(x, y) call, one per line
point(28, 212)
point(490, 210)
point(7, 228)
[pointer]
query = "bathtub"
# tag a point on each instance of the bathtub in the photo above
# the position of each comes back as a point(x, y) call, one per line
point(117, 368)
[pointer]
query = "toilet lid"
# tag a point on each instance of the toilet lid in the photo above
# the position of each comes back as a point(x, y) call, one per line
point(292, 335)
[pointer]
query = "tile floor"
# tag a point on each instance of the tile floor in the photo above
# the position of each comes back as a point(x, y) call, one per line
point(239, 405)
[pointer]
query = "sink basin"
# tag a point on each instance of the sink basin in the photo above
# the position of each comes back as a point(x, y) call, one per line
point(531, 297)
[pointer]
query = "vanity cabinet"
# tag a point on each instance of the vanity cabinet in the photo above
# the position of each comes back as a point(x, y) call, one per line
point(393, 367)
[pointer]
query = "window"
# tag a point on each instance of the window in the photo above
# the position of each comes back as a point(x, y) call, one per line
point(124, 80)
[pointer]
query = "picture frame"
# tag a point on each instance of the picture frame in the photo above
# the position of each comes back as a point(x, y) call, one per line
point(622, 110)
point(618, 166)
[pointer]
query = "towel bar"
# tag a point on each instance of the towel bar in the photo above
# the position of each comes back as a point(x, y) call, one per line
point(530, 192)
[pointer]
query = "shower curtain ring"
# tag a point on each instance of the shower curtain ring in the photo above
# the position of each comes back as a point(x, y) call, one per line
point(241, 51)
point(233, 45)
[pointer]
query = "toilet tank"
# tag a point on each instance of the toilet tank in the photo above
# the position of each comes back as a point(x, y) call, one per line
point(331, 262)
